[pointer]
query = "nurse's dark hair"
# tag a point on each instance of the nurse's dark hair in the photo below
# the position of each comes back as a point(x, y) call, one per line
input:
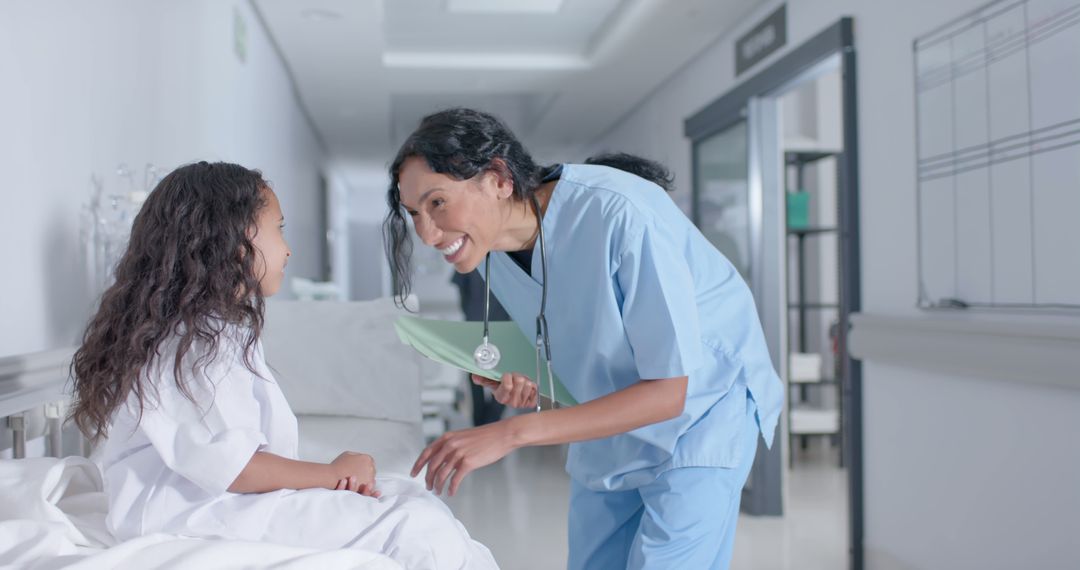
point(463, 143)
point(188, 273)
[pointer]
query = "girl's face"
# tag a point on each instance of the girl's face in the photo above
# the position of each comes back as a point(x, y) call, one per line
point(269, 242)
point(463, 219)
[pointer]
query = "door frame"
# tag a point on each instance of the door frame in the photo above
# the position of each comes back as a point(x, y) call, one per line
point(836, 40)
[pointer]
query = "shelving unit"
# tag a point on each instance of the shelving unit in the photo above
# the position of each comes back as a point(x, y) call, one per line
point(805, 369)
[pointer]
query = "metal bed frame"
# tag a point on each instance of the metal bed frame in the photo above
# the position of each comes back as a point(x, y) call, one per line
point(32, 381)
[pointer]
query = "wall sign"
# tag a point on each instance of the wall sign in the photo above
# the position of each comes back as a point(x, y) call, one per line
point(764, 39)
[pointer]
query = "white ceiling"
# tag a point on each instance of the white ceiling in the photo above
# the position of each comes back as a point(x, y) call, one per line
point(559, 72)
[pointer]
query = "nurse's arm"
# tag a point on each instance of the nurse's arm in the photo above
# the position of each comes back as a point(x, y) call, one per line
point(647, 402)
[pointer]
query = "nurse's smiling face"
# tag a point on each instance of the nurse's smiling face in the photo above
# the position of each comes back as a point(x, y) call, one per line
point(463, 219)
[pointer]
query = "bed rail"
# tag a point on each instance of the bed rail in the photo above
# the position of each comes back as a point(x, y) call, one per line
point(31, 381)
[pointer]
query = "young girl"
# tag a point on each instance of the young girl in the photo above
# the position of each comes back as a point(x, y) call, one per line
point(200, 440)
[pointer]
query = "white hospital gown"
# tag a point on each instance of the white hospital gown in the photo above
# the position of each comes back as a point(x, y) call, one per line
point(170, 471)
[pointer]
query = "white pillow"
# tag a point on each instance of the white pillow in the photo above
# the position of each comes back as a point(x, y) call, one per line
point(343, 359)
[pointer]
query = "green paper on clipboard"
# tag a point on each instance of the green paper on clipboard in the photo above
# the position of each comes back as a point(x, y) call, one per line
point(452, 343)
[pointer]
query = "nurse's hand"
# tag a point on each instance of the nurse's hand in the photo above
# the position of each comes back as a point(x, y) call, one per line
point(458, 453)
point(514, 390)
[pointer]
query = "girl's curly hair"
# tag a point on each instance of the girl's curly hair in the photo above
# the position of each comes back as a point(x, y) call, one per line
point(188, 272)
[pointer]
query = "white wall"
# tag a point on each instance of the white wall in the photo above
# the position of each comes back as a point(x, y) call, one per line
point(960, 472)
point(338, 230)
point(87, 85)
point(365, 209)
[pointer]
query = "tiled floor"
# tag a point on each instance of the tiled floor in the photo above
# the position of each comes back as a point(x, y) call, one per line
point(812, 534)
point(518, 508)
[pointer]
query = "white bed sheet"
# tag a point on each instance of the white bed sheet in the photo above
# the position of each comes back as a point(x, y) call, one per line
point(52, 515)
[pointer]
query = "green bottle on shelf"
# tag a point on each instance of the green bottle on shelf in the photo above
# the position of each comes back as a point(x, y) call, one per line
point(798, 210)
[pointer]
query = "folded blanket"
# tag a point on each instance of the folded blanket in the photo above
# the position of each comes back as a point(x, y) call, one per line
point(52, 515)
point(63, 495)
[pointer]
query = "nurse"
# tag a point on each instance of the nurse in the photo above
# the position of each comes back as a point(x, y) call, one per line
point(652, 330)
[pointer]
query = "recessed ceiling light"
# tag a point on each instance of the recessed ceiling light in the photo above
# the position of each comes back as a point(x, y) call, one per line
point(319, 15)
point(504, 6)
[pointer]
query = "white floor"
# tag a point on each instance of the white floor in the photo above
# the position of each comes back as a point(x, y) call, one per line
point(813, 533)
point(518, 508)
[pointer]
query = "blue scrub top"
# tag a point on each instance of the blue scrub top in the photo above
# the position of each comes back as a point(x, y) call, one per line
point(637, 292)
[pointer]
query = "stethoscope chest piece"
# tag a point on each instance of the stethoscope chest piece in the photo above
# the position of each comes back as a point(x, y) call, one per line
point(486, 355)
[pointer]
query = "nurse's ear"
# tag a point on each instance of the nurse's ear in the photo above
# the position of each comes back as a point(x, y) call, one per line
point(501, 178)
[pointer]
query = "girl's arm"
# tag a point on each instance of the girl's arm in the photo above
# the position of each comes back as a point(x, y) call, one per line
point(267, 472)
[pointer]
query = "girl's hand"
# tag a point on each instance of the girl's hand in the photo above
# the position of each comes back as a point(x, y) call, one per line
point(351, 484)
point(515, 390)
point(458, 453)
point(356, 473)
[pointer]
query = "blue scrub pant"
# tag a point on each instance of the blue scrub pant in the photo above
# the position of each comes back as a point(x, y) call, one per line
point(684, 519)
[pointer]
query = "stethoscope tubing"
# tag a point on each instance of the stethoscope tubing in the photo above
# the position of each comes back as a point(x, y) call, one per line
point(543, 339)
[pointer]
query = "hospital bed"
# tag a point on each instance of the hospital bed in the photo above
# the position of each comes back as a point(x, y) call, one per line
point(350, 381)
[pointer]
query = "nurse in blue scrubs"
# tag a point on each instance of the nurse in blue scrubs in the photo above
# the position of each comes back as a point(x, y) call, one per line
point(652, 330)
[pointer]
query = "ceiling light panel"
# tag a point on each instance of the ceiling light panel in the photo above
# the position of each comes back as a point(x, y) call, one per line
point(427, 26)
point(503, 6)
point(320, 15)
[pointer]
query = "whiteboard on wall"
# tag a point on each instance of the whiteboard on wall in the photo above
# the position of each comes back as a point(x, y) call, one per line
point(998, 156)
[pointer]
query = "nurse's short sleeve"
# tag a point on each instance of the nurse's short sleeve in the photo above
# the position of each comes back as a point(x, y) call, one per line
point(659, 310)
point(209, 442)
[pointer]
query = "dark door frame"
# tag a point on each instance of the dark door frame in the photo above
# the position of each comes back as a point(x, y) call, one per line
point(730, 109)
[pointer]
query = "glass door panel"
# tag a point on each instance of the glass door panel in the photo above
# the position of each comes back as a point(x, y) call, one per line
point(721, 194)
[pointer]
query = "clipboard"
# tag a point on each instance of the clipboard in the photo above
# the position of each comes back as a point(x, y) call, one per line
point(453, 342)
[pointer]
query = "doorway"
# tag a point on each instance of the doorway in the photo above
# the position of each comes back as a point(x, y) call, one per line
point(776, 190)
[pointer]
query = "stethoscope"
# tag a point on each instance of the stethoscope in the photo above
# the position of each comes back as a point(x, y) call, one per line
point(487, 354)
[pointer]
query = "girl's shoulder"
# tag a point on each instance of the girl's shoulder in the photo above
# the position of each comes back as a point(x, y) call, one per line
point(217, 350)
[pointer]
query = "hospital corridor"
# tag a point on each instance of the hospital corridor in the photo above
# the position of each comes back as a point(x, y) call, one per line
point(540, 284)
